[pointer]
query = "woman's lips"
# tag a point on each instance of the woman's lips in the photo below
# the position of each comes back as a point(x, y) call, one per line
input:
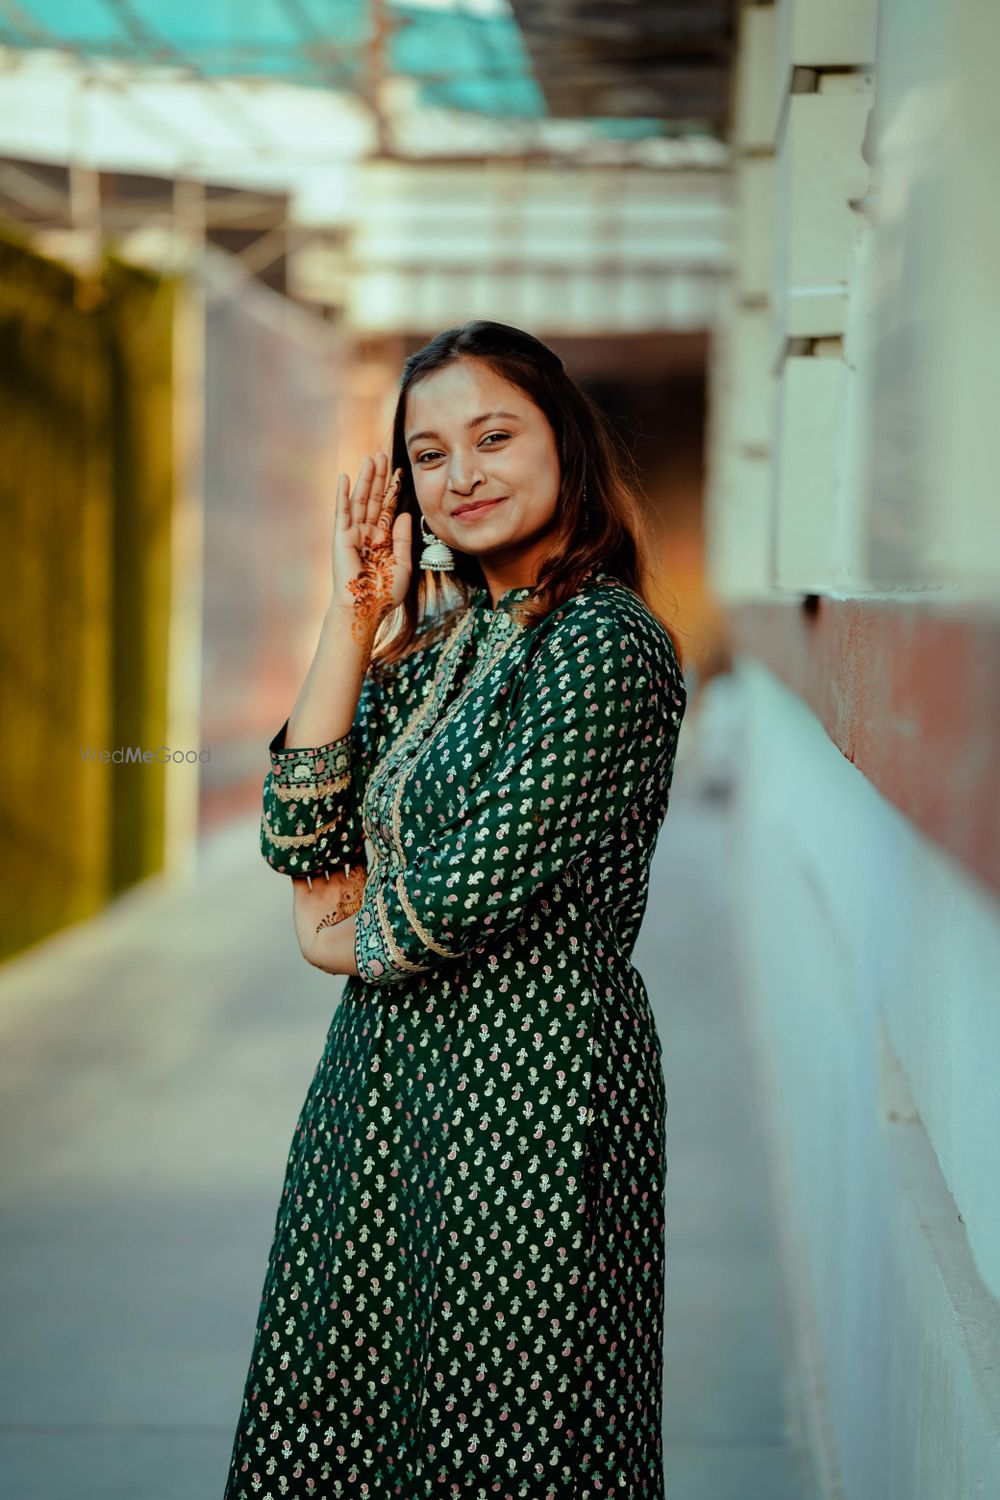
point(468, 511)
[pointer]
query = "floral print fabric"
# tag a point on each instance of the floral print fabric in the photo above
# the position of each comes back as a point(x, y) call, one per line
point(464, 1296)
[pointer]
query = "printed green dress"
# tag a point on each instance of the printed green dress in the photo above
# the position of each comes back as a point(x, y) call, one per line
point(464, 1296)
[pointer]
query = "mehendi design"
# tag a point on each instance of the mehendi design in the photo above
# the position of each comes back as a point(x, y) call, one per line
point(372, 590)
point(349, 900)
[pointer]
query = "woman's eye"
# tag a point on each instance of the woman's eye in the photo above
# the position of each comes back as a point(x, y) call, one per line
point(432, 453)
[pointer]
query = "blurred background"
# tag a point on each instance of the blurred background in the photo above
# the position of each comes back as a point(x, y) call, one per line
point(766, 238)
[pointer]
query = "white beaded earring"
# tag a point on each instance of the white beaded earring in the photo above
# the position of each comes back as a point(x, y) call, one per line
point(436, 554)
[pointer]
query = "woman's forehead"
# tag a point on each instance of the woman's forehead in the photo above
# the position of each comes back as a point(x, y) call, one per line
point(468, 381)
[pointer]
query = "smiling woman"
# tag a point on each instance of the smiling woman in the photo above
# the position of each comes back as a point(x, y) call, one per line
point(489, 491)
point(465, 1290)
point(488, 412)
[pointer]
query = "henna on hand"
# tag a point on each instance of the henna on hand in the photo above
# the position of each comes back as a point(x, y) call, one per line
point(349, 900)
point(374, 586)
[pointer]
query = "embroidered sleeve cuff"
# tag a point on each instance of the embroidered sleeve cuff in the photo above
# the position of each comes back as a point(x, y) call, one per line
point(311, 822)
point(390, 941)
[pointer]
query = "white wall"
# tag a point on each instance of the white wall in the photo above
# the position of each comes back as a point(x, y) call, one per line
point(866, 235)
point(870, 963)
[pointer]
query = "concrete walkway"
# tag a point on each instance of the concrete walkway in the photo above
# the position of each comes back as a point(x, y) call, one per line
point(153, 1066)
point(727, 1340)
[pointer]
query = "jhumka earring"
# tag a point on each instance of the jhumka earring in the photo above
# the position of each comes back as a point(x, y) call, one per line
point(436, 554)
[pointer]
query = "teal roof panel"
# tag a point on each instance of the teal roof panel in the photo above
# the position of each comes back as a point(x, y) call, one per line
point(469, 57)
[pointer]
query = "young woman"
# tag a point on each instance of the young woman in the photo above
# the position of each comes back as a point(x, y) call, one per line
point(464, 1296)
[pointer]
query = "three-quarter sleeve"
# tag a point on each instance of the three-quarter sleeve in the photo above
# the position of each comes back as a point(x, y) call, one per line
point(596, 714)
point(311, 822)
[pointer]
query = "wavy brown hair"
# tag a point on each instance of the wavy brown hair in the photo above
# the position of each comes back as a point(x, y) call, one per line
point(609, 528)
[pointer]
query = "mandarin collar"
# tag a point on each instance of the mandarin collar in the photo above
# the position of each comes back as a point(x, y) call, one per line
point(480, 598)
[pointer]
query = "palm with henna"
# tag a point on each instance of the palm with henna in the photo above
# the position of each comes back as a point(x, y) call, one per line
point(371, 547)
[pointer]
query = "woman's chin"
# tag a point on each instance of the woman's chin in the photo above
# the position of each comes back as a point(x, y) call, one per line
point(488, 532)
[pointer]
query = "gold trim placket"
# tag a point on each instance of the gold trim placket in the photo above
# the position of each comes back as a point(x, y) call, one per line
point(477, 676)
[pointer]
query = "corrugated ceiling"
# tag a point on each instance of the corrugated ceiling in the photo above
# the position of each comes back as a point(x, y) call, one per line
point(632, 67)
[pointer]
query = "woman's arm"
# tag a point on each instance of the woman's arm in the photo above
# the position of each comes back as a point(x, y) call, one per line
point(328, 700)
point(311, 822)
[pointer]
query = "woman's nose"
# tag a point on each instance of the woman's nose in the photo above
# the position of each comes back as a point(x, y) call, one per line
point(465, 472)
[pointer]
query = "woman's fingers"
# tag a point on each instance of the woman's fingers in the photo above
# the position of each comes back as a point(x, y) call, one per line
point(377, 489)
point(343, 515)
point(402, 538)
point(387, 512)
point(371, 505)
point(367, 496)
point(359, 495)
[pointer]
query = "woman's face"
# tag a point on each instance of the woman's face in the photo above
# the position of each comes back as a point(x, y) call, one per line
point(471, 436)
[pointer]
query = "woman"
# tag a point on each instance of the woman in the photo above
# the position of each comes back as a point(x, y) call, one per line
point(464, 1296)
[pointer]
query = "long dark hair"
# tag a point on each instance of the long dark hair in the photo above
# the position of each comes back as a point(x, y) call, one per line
point(608, 529)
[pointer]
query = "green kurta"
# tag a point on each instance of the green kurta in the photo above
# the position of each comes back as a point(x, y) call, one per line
point(464, 1296)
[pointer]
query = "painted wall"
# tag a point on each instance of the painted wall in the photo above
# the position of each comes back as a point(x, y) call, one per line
point(848, 447)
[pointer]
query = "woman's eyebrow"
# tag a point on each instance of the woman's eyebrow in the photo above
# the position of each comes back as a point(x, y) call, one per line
point(472, 422)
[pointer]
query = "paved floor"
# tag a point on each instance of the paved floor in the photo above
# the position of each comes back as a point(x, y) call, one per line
point(153, 1065)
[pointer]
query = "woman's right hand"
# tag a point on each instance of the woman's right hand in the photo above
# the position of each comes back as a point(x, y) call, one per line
point(371, 547)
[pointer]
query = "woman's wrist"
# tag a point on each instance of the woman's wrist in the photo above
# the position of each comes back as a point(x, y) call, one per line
point(335, 678)
point(349, 623)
